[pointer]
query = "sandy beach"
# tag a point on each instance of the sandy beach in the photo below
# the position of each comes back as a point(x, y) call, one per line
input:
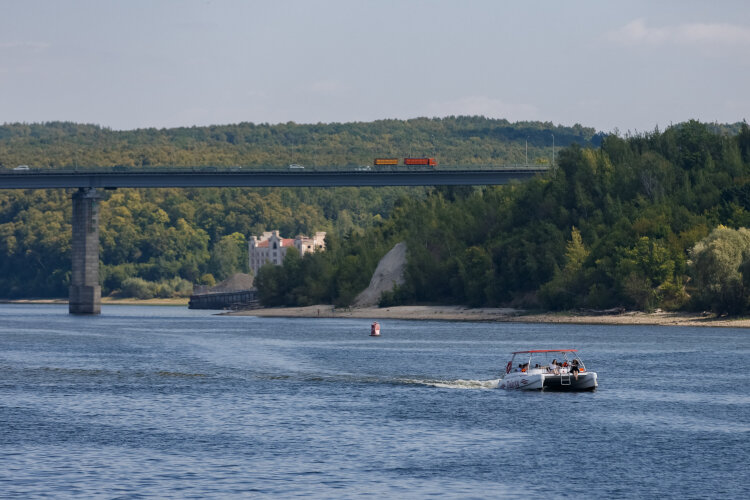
point(459, 313)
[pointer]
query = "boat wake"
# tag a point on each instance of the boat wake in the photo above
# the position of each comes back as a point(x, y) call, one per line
point(353, 379)
point(456, 384)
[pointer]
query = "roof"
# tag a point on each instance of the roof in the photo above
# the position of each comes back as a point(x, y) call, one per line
point(546, 350)
point(283, 242)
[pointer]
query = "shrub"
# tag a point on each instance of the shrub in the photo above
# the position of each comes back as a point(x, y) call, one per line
point(138, 288)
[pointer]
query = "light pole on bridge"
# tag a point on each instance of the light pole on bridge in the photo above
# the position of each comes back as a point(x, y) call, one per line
point(553, 149)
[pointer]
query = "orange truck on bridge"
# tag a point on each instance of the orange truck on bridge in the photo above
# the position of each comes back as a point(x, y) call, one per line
point(428, 162)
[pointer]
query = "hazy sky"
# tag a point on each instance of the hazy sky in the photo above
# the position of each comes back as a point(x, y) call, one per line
point(629, 65)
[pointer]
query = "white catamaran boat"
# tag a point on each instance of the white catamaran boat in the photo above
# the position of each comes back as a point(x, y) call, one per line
point(547, 370)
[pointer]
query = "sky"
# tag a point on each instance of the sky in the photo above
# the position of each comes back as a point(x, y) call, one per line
point(626, 66)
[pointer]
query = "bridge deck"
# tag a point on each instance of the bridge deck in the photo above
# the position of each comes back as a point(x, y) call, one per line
point(250, 177)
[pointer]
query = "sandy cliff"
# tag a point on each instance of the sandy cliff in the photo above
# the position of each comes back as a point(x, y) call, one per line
point(390, 272)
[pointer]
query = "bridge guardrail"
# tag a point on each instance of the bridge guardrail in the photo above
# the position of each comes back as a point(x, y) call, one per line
point(264, 169)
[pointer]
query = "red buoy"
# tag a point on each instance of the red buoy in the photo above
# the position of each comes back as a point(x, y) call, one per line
point(375, 329)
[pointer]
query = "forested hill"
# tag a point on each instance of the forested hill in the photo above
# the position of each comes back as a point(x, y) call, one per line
point(160, 241)
point(454, 141)
point(655, 220)
point(642, 221)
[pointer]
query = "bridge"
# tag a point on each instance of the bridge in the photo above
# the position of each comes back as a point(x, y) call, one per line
point(114, 177)
point(85, 291)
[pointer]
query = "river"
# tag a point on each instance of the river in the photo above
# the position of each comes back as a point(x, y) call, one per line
point(164, 402)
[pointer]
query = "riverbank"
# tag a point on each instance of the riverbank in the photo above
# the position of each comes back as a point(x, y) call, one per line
point(459, 313)
point(446, 313)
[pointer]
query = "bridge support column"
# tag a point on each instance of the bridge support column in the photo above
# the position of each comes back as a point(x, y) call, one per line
point(85, 293)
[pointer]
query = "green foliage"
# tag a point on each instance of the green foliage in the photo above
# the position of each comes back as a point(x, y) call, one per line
point(397, 296)
point(141, 289)
point(721, 267)
point(609, 227)
point(567, 288)
point(138, 288)
point(271, 283)
point(462, 140)
point(229, 256)
point(643, 271)
point(613, 224)
point(207, 280)
point(159, 234)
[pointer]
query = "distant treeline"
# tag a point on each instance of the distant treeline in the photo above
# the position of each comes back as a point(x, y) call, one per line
point(459, 140)
point(160, 241)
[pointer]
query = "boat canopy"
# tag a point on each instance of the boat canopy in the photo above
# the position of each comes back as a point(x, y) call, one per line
point(546, 350)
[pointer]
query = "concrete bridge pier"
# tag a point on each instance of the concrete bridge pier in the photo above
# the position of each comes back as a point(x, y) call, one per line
point(85, 292)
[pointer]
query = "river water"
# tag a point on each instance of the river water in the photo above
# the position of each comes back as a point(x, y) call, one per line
point(163, 402)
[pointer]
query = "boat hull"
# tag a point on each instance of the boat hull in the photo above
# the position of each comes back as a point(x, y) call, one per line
point(568, 383)
point(549, 382)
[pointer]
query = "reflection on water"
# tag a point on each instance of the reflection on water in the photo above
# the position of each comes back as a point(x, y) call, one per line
point(167, 402)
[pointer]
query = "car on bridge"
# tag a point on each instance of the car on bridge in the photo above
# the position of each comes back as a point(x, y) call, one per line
point(22, 167)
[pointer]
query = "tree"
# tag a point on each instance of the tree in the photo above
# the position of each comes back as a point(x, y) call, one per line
point(563, 291)
point(271, 284)
point(477, 275)
point(229, 256)
point(717, 265)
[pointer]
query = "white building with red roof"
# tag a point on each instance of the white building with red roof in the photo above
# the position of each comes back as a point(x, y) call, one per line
point(270, 247)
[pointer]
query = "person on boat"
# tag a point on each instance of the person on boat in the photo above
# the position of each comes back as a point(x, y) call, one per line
point(525, 367)
point(553, 367)
point(574, 369)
